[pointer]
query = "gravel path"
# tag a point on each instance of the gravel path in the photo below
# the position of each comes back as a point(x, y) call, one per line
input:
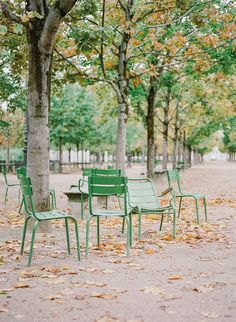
point(191, 278)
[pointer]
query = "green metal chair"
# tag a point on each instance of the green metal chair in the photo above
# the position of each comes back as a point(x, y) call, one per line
point(38, 217)
point(83, 187)
point(21, 171)
point(143, 200)
point(174, 183)
point(107, 186)
point(8, 185)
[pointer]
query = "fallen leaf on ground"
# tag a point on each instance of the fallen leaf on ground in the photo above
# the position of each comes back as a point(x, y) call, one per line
point(119, 290)
point(5, 291)
point(21, 285)
point(55, 281)
point(53, 297)
point(175, 277)
point(103, 295)
point(150, 251)
point(3, 310)
point(92, 283)
point(108, 271)
point(159, 291)
point(210, 315)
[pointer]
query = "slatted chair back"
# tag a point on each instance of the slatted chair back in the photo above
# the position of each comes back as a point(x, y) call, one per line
point(107, 172)
point(87, 172)
point(174, 180)
point(27, 192)
point(141, 194)
point(107, 186)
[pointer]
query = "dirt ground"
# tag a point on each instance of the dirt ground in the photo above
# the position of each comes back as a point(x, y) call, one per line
point(191, 278)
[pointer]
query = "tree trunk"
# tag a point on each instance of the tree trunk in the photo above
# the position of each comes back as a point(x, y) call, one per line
point(166, 129)
point(150, 127)
point(121, 138)
point(39, 80)
point(165, 147)
point(122, 87)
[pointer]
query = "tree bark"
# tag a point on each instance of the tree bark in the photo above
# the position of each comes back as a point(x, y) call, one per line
point(122, 88)
point(39, 79)
point(41, 35)
point(150, 127)
point(166, 129)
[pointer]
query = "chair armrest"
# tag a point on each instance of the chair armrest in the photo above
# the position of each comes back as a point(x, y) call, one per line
point(81, 183)
point(73, 186)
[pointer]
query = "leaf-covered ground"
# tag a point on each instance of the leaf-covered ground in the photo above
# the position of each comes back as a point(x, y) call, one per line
point(191, 278)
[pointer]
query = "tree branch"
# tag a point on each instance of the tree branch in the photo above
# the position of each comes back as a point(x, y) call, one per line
point(52, 23)
point(9, 14)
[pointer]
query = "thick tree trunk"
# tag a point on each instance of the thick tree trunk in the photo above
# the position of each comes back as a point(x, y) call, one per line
point(123, 108)
point(39, 80)
point(150, 128)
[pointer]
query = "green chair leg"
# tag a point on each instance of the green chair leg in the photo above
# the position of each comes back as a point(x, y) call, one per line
point(98, 231)
point(162, 217)
point(21, 205)
point(139, 224)
point(197, 213)
point(6, 193)
point(174, 224)
point(82, 206)
point(77, 238)
point(180, 202)
point(87, 235)
point(67, 236)
point(128, 235)
point(205, 208)
point(123, 225)
point(23, 235)
point(32, 242)
point(131, 230)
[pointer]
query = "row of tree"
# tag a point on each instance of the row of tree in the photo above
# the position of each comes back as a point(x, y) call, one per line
point(166, 61)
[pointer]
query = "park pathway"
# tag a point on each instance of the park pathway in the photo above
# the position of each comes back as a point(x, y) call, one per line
point(189, 279)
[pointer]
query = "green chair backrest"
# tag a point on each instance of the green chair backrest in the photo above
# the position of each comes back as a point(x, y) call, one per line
point(107, 186)
point(141, 194)
point(88, 172)
point(27, 192)
point(174, 180)
point(107, 172)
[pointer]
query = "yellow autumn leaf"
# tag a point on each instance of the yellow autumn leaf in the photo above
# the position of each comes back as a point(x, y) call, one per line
point(175, 277)
point(103, 295)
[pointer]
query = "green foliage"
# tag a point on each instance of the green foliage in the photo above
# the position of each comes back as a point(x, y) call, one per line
point(229, 138)
point(72, 116)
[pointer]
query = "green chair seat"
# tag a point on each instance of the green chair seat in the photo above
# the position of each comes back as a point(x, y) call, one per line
point(109, 212)
point(50, 215)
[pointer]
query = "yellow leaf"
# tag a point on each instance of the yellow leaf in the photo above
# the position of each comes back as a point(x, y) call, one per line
point(22, 285)
point(175, 277)
point(150, 251)
point(104, 295)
